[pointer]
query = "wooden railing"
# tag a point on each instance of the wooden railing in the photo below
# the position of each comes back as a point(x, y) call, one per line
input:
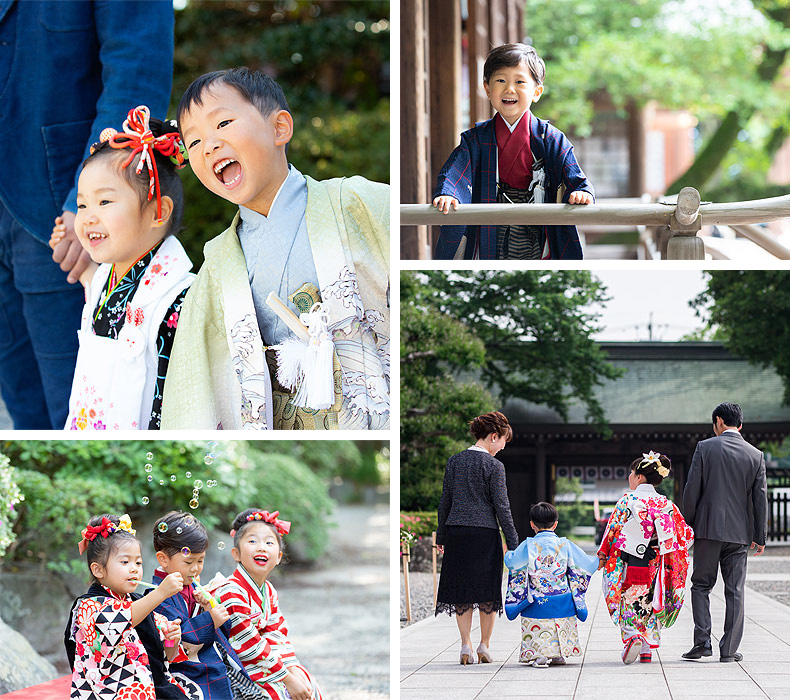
point(683, 218)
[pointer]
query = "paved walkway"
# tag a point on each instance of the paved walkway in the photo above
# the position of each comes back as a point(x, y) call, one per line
point(429, 666)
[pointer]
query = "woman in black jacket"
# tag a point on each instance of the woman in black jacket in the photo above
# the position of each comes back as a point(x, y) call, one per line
point(474, 505)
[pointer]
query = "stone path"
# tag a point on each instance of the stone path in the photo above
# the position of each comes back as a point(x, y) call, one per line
point(429, 666)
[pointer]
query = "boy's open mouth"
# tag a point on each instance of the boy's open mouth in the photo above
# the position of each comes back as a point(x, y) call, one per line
point(509, 100)
point(228, 171)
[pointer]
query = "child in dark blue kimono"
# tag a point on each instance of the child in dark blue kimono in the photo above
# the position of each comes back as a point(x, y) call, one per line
point(513, 158)
point(212, 671)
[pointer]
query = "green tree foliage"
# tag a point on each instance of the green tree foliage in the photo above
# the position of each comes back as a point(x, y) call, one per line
point(67, 482)
point(332, 61)
point(518, 333)
point(435, 405)
point(536, 327)
point(717, 59)
point(752, 310)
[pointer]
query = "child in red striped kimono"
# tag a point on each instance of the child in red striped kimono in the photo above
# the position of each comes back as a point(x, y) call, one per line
point(259, 632)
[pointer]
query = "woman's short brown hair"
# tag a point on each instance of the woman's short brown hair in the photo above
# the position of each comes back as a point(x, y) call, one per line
point(494, 422)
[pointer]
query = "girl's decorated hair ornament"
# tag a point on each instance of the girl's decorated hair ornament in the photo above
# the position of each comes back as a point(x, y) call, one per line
point(654, 458)
point(104, 529)
point(283, 527)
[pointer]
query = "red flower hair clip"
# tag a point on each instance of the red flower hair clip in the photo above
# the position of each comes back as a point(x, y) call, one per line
point(283, 527)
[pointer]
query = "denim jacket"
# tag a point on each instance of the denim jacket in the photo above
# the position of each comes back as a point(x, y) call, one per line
point(68, 69)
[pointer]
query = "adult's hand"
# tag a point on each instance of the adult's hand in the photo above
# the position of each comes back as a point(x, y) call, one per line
point(69, 254)
point(760, 548)
point(440, 548)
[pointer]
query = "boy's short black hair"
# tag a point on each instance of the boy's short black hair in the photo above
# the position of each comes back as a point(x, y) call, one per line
point(257, 88)
point(183, 531)
point(510, 56)
point(544, 515)
point(730, 413)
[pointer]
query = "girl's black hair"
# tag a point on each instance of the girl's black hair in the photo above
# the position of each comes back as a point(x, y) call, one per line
point(183, 530)
point(240, 523)
point(257, 88)
point(101, 548)
point(649, 470)
point(544, 515)
point(169, 180)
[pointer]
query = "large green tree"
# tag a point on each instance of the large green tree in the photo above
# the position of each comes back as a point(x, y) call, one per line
point(516, 333)
point(752, 311)
point(435, 405)
point(720, 60)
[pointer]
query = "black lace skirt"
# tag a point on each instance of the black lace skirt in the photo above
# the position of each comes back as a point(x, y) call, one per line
point(471, 571)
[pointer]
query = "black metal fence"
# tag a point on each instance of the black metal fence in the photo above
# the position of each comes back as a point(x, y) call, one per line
point(778, 516)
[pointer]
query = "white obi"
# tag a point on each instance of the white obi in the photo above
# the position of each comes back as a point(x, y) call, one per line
point(115, 379)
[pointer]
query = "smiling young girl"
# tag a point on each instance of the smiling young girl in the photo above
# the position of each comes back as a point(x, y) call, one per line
point(114, 640)
point(259, 633)
point(134, 297)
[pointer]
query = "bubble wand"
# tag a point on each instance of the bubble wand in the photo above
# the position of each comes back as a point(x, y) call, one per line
point(211, 600)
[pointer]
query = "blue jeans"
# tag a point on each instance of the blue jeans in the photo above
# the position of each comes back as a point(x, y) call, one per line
point(39, 317)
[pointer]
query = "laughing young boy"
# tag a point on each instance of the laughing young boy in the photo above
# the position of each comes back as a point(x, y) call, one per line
point(513, 158)
point(305, 240)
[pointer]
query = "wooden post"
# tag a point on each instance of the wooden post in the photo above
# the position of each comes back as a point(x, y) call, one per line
point(433, 557)
point(413, 122)
point(684, 224)
point(405, 557)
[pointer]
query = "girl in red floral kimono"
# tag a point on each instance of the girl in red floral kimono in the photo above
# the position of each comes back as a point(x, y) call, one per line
point(645, 556)
point(259, 633)
point(114, 640)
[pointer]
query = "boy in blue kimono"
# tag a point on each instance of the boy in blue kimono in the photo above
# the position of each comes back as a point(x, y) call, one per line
point(512, 158)
point(548, 578)
point(213, 670)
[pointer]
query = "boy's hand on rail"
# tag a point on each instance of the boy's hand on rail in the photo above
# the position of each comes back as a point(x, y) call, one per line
point(580, 197)
point(444, 203)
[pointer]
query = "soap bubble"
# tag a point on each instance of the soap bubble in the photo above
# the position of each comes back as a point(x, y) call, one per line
point(198, 484)
point(186, 551)
point(150, 478)
point(149, 456)
point(188, 475)
point(196, 493)
point(162, 527)
point(220, 545)
point(172, 477)
point(189, 521)
point(208, 459)
point(178, 530)
point(161, 482)
point(145, 500)
point(194, 503)
point(148, 467)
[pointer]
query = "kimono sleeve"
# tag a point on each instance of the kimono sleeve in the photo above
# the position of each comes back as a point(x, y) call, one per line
point(261, 662)
point(455, 177)
point(518, 594)
point(581, 567)
point(572, 175)
point(111, 620)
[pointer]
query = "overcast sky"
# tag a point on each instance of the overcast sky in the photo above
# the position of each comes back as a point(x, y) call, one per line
point(637, 294)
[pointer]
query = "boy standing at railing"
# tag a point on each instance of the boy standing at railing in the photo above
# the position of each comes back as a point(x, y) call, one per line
point(513, 158)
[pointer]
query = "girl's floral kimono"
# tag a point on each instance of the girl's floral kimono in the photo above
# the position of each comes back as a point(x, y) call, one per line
point(548, 578)
point(112, 659)
point(646, 548)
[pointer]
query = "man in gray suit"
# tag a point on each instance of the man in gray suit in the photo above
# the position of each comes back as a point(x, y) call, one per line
point(725, 502)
